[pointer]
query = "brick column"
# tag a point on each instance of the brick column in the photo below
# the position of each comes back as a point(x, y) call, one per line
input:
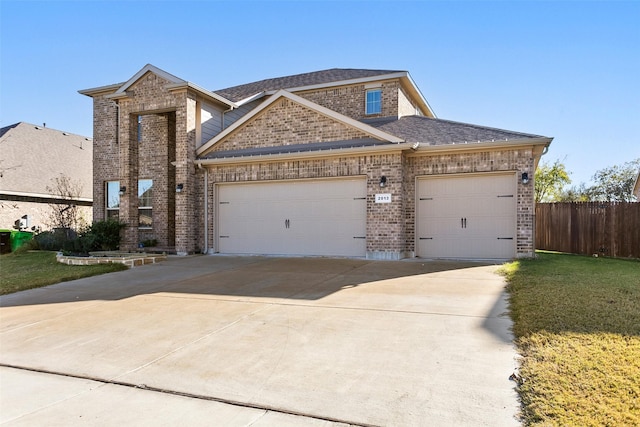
point(186, 222)
point(129, 179)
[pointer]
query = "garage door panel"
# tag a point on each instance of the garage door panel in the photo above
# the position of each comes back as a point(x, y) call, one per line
point(293, 217)
point(466, 216)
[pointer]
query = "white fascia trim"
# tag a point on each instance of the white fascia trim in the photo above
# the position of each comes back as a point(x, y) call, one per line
point(295, 98)
point(422, 98)
point(338, 152)
point(44, 196)
point(251, 98)
point(143, 71)
point(100, 89)
point(481, 145)
point(202, 91)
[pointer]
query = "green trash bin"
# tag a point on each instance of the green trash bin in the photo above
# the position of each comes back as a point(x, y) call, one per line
point(19, 238)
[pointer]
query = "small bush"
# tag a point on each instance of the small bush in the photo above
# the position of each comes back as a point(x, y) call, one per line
point(105, 235)
point(51, 240)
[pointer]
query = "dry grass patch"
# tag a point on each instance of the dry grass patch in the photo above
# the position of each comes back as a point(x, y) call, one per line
point(577, 326)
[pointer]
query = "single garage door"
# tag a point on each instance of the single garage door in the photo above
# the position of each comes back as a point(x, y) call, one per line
point(471, 216)
point(319, 217)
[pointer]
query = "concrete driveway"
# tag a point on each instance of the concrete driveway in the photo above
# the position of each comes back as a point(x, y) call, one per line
point(238, 341)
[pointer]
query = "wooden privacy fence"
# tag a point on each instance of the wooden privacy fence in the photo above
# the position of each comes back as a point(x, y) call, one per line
point(603, 228)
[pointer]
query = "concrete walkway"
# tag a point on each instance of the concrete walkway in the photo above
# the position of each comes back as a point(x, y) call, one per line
point(238, 341)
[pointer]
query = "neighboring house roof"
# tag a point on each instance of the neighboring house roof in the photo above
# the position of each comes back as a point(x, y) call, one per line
point(240, 92)
point(429, 131)
point(32, 156)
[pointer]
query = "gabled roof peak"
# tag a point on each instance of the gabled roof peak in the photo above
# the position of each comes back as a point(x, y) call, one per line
point(149, 68)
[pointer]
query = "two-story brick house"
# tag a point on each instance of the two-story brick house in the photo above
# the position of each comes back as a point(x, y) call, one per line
point(341, 162)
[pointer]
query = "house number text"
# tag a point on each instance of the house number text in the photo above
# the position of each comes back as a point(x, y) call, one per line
point(383, 198)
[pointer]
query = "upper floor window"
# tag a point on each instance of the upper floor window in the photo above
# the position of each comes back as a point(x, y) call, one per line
point(145, 203)
point(374, 101)
point(139, 128)
point(112, 204)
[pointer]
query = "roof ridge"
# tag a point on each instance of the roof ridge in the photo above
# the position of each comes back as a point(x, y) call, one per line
point(311, 78)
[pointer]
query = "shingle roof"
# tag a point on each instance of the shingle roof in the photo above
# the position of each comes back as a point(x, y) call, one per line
point(297, 148)
point(237, 93)
point(440, 132)
point(33, 155)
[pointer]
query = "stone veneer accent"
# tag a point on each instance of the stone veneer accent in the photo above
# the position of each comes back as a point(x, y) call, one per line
point(130, 260)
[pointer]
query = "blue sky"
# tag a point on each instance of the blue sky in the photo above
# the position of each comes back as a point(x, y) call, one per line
point(566, 69)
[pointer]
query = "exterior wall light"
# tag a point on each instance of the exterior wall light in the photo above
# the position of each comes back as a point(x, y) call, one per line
point(525, 178)
point(179, 188)
point(383, 181)
point(123, 190)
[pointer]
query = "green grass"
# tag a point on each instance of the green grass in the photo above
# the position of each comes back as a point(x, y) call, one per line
point(33, 269)
point(577, 327)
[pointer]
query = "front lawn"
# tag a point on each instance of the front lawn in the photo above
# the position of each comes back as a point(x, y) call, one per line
point(32, 269)
point(577, 327)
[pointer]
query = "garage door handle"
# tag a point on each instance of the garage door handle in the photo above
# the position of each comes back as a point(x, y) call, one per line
point(359, 237)
point(426, 238)
point(505, 238)
point(463, 222)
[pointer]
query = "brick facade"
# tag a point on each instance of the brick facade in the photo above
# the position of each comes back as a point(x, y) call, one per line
point(167, 154)
point(285, 123)
point(164, 153)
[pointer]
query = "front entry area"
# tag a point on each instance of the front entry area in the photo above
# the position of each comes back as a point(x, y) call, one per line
point(298, 217)
point(466, 216)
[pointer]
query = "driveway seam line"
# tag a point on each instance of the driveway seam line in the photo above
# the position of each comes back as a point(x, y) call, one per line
point(337, 307)
point(188, 395)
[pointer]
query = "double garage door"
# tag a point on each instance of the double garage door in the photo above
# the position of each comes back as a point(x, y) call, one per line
point(319, 217)
point(472, 216)
point(465, 216)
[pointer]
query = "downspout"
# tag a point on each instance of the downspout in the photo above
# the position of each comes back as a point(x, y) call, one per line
point(225, 111)
point(206, 208)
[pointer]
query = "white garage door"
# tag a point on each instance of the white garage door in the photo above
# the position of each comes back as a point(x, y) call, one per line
point(470, 216)
point(323, 217)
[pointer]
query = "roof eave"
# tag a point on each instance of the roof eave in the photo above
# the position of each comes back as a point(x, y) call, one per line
point(44, 196)
point(338, 152)
point(482, 145)
point(91, 92)
point(200, 90)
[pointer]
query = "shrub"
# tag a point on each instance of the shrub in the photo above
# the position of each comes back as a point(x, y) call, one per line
point(104, 235)
point(51, 240)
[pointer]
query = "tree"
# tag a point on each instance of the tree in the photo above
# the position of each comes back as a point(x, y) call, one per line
point(65, 214)
point(580, 193)
point(615, 183)
point(550, 181)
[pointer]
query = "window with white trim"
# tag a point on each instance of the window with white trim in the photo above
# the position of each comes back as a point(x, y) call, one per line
point(145, 203)
point(374, 101)
point(112, 199)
